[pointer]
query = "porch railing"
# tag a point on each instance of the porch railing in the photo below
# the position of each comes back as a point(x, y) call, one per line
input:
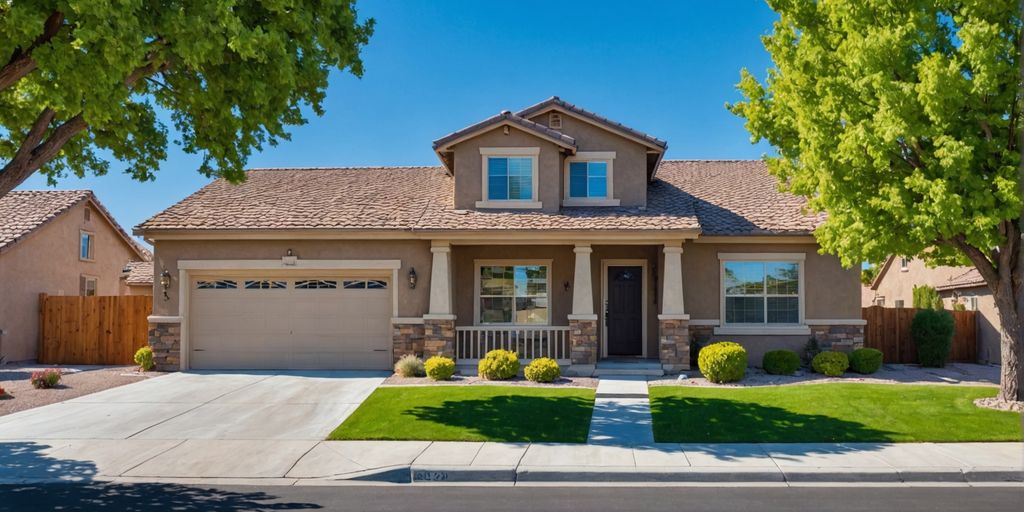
point(529, 342)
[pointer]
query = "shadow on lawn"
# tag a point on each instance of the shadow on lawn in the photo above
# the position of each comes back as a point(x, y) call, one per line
point(715, 420)
point(542, 419)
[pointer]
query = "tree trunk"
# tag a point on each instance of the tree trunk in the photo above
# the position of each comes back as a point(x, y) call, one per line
point(1011, 385)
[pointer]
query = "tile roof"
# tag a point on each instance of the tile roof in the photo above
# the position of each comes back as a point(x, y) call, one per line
point(505, 115)
point(555, 101)
point(718, 197)
point(139, 273)
point(969, 279)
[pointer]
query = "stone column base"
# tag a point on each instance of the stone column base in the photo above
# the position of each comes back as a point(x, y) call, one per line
point(674, 344)
point(839, 338)
point(165, 340)
point(438, 337)
point(583, 345)
point(406, 339)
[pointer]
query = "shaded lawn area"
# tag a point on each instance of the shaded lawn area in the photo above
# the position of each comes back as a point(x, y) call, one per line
point(471, 413)
point(828, 413)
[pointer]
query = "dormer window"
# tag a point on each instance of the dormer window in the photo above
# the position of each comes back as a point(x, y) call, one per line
point(588, 179)
point(509, 178)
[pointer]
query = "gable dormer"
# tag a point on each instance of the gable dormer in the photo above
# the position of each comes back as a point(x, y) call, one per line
point(521, 161)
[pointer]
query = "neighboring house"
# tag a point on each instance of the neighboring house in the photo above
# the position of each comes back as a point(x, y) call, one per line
point(894, 287)
point(137, 278)
point(552, 231)
point(59, 242)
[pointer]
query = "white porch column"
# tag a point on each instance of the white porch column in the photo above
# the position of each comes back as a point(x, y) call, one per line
point(440, 279)
point(582, 288)
point(672, 290)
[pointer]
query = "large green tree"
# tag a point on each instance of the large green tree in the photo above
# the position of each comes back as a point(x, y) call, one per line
point(83, 79)
point(901, 120)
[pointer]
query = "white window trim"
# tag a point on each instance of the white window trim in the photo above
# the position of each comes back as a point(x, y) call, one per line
point(92, 245)
point(508, 263)
point(607, 157)
point(533, 203)
point(904, 264)
point(800, 328)
point(96, 286)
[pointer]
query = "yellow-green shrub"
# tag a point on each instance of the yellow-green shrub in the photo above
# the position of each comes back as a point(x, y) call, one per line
point(832, 364)
point(542, 369)
point(439, 367)
point(724, 361)
point(498, 365)
point(144, 358)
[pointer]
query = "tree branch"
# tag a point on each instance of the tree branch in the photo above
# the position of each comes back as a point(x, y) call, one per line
point(21, 62)
point(985, 266)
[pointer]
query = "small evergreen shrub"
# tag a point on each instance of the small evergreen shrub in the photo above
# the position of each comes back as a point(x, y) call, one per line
point(144, 358)
point(499, 365)
point(832, 364)
point(780, 362)
point(932, 331)
point(926, 297)
point(724, 361)
point(865, 360)
point(959, 306)
point(410, 366)
point(439, 368)
point(542, 369)
point(45, 379)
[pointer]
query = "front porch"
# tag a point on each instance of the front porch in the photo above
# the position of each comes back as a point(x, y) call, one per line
point(578, 304)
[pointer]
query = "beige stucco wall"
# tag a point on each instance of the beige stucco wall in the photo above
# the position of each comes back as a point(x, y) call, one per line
point(412, 253)
point(898, 284)
point(987, 319)
point(137, 289)
point(630, 165)
point(46, 261)
point(469, 167)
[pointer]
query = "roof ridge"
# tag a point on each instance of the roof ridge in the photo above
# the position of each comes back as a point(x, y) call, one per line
point(712, 160)
point(342, 167)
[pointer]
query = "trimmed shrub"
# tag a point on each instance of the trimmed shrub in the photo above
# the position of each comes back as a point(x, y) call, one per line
point(542, 369)
point(932, 331)
point(144, 358)
point(439, 367)
point(865, 360)
point(45, 379)
point(499, 365)
point(780, 362)
point(724, 361)
point(410, 366)
point(832, 364)
point(926, 297)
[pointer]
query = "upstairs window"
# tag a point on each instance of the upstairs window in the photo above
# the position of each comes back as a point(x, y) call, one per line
point(588, 180)
point(85, 246)
point(509, 178)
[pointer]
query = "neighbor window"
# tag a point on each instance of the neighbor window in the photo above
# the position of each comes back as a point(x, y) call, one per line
point(85, 245)
point(513, 294)
point(904, 263)
point(971, 303)
point(762, 292)
point(87, 286)
point(898, 303)
point(588, 179)
point(509, 178)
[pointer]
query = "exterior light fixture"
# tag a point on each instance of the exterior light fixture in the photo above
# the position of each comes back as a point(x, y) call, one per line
point(566, 285)
point(165, 282)
point(412, 278)
point(289, 253)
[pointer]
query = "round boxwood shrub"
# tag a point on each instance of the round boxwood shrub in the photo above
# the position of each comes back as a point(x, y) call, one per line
point(724, 361)
point(832, 364)
point(780, 362)
point(499, 365)
point(865, 360)
point(144, 358)
point(439, 367)
point(542, 369)
point(932, 331)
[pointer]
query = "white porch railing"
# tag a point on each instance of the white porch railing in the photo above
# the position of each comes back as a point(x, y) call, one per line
point(529, 342)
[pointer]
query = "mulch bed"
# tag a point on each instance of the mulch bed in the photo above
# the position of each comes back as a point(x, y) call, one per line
point(75, 382)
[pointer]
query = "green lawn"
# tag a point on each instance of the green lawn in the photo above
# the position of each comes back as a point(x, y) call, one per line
point(471, 413)
point(828, 413)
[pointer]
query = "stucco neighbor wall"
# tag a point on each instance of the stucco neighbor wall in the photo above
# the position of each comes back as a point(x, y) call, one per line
point(46, 261)
point(469, 167)
point(987, 319)
point(898, 284)
point(412, 253)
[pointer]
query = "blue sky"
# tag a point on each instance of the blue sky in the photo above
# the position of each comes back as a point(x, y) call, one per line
point(432, 67)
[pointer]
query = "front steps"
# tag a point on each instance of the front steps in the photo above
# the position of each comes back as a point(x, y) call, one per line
point(635, 368)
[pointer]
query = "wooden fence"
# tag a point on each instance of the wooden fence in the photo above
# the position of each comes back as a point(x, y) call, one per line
point(92, 330)
point(888, 330)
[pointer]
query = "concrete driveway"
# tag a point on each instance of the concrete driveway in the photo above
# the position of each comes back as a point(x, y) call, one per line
point(183, 424)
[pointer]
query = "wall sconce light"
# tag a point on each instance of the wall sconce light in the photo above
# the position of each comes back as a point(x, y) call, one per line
point(165, 282)
point(566, 285)
point(289, 253)
point(412, 278)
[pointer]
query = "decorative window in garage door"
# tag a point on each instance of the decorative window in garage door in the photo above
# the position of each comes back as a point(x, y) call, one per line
point(266, 284)
point(365, 284)
point(316, 284)
point(220, 284)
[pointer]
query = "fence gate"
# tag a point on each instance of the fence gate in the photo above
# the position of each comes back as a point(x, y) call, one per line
point(92, 330)
point(888, 330)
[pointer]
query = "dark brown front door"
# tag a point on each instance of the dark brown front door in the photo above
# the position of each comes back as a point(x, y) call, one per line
point(624, 311)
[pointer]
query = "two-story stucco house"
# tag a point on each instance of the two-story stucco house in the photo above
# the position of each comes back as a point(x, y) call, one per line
point(58, 242)
point(551, 231)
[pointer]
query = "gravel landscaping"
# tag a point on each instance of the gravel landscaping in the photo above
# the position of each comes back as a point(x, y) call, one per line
point(954, 373)
point(75, 382)
point(472, 380)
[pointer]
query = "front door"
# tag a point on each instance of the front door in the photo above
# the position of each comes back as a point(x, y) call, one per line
point(624, 311)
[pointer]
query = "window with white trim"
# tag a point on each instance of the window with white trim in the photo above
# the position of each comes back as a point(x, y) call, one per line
point(588, 179)
point(898, 303)
point(85, 246)
point(513, 294)
point(904, 264)
point(87, 286)
point(971, 302)
point(761, 292)
point(510, 178)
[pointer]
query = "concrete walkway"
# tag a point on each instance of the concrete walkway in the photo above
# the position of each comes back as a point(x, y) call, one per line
point(622, 413)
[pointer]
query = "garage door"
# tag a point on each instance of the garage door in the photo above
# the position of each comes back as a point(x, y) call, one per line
point(317, 322)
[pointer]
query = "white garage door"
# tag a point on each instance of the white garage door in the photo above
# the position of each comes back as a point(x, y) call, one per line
point(317, 322)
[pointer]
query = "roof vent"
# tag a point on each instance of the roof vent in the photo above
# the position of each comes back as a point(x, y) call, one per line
point(555, 121)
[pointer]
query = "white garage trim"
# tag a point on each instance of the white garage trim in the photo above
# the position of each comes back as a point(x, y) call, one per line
point(186, 269)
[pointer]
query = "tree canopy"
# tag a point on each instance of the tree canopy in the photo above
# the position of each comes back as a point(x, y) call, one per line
point(82, 78)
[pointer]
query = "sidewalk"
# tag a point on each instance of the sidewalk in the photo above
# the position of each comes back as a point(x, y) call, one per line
point(340, 462)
